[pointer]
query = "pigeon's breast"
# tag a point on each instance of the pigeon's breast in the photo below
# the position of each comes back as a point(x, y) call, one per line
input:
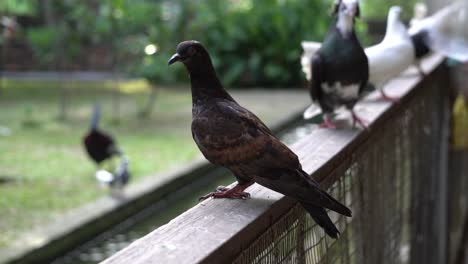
point(340, 91)
point(226, 139)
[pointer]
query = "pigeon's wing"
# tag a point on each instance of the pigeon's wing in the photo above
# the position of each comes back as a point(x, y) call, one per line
point(363, 72)
point(279, 169)
point(317, 74)
point(232, 136)
point(109, 144)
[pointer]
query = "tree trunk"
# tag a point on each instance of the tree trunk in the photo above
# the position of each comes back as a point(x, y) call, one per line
point(148, 108)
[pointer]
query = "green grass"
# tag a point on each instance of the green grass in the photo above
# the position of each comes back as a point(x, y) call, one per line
point(45, 159)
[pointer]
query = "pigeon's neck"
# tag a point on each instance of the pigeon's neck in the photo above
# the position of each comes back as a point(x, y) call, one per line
point(205, 83)
point(345, 24)
point(394, 27)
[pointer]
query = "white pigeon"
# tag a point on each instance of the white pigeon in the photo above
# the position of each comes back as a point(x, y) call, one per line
point(310, 48)
point(445, 32)
point(393, 55)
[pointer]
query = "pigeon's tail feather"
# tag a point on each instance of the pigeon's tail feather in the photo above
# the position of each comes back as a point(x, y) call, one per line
point(336, 206)
point(321, 217)
point(327, 200)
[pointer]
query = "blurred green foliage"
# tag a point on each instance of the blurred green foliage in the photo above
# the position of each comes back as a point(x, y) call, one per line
point(379, 8)
point(18, 7)
point(251, 42)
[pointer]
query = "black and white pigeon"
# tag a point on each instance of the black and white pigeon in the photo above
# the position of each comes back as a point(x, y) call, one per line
point(445, 32)
point(103, 149)
point(387, 59)
point(340, 69)
point(231, 136)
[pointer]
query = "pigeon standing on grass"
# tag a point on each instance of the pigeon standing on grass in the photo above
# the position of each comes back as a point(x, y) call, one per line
point(340, 68)
point(394, 54)
point(102, 149)
point(231, 136)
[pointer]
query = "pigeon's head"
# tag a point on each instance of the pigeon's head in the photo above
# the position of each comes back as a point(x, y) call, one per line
point(189, 51)
point(347, 8)
point(394, 24)
point(395, 11)
point(420, 10)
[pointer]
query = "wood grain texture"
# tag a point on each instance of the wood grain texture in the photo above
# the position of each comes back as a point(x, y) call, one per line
point(215, 231)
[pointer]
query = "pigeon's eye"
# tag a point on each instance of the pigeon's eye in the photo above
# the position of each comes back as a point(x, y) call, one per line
point(191, 51)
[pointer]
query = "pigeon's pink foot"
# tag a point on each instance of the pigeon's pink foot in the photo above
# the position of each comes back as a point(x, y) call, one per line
point(327, 123)
point(392, 99)
point(237, 192)
point(360, 121)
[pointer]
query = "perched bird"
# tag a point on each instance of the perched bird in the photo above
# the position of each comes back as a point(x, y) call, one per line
point(231, 136)
point(102, 148)
point(340, 68)
point(386, 59)
point(444, 32)
point(394, 54)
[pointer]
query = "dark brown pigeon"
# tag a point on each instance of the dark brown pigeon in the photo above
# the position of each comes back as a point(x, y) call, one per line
point(231, 136)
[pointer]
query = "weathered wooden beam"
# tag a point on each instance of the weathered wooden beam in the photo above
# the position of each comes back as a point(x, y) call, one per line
point(217, 230)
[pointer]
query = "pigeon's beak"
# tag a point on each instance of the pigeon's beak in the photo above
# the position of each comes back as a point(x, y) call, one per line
point(175, 58)
point(353, 10)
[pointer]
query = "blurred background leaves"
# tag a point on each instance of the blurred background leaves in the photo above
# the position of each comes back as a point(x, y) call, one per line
point(252, 42)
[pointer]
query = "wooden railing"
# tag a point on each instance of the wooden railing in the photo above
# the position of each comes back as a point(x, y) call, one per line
point(392, 176)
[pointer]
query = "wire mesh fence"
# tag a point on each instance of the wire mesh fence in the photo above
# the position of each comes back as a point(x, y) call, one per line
point(458, 205)
point(395, 186)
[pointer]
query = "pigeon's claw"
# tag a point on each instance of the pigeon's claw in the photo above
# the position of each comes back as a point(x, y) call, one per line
point(231, 195)
point(327, 123)
point(221, 189)
point(360, 121)
point(237, 192)
point(206, 196)
point(226, 193)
